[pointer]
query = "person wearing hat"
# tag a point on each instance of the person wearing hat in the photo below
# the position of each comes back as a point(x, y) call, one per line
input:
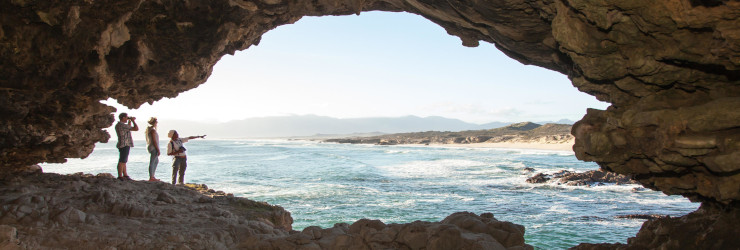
point(152, 145)
point(176, 149)
point(125, 142)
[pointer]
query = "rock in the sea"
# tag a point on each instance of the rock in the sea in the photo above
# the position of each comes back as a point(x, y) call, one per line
point(596, 176)
point(587, 178)
point(538, 178)
point(641, 216)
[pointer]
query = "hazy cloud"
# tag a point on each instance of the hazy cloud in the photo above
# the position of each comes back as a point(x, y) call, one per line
point(473, 109)
point(540, 102)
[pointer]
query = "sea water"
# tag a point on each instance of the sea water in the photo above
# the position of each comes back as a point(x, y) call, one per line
point(325, 183)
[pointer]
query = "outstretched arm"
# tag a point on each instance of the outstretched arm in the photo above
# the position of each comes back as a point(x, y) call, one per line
point(197, 136)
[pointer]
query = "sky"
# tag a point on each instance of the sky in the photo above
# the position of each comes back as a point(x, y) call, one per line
point(377, 64)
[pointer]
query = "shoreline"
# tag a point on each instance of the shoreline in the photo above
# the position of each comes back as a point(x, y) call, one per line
point(512, 145)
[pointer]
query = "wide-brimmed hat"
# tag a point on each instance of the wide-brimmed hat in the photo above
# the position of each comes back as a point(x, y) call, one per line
point(171, 133)
point(153, 120)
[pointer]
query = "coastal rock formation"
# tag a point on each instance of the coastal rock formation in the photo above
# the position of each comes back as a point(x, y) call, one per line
point(713, 225)
point(461, 230)
point(669, 68)
point(82, 211)
point(93, 212)
point(525, 132)
point(588, 178)
point(538, 178)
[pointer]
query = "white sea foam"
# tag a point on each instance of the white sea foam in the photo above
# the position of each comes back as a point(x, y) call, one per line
point(486, 171)
point(512, 164)
point(657, 198)
point(421, 169)
point(321, 183)
point(618, 223)
point(526, 151)
point(398, 204)
point(559, 209)
point(277, 158)
point(612, 187)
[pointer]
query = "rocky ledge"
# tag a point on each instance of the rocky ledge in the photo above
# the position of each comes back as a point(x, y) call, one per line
point(712, 226)
point(82, 211)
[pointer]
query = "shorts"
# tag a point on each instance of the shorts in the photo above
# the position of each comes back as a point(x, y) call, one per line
point(123, 154)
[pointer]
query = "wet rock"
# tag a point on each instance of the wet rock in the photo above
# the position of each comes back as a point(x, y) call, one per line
point(641, 216)
point(717, 224)
point(538, 178)
point(588, 178)
point(596, 176)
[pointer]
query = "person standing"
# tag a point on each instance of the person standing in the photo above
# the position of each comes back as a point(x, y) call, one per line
point(125, 142)
point(176, 149)
point(152, 145)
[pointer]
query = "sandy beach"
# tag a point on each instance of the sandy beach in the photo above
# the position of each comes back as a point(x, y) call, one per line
point(568, 146)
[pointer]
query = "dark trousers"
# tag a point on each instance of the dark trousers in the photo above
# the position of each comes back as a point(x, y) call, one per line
point(179, 165)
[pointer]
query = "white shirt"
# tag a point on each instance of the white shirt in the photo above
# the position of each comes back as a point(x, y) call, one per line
point(175, 145)
point(153, 138)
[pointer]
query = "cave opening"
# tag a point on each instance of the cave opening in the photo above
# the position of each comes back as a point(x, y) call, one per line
point(669, 69)
point(367, 75)
point(377, 64)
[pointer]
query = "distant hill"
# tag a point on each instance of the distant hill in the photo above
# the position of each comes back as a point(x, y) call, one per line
point(518, 132)
point(322, 126)
point(313, 125)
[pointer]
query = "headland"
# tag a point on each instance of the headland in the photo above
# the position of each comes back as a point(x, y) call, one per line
point(525, 135)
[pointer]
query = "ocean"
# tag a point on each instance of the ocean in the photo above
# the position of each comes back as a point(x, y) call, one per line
point(325, 183)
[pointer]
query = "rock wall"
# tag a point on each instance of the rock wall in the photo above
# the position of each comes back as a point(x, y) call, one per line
point(710, 227)
point(670, 69)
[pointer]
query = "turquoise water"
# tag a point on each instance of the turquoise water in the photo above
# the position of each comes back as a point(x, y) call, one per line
point(323, 183)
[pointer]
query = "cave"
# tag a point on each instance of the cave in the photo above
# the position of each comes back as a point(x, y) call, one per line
point(670, 70)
